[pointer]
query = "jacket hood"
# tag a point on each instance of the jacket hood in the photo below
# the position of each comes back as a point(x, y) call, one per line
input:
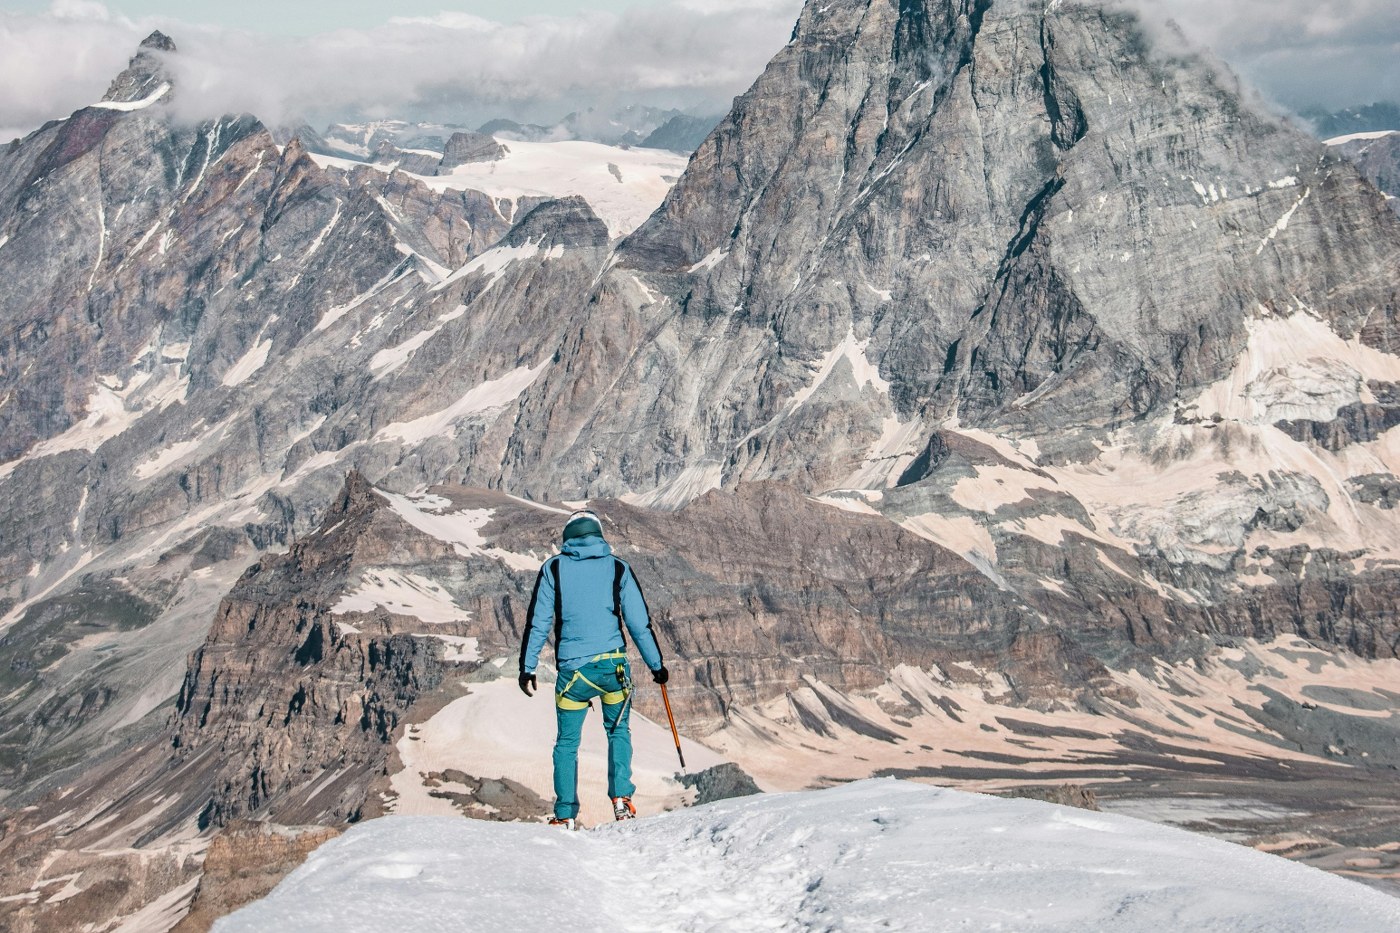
point(586, 548)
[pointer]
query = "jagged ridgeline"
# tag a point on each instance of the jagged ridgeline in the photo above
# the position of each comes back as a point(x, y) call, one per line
point(979, 338)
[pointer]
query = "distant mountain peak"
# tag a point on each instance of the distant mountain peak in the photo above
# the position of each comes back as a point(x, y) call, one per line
point(145, 74)
point(159, 41)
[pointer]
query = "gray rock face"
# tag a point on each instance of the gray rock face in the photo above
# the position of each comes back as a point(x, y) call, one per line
point(972, 203)
point(1378, 159)
point(463, 148)
point(722, 782)
point(1077, 363)
point(681, 133)
point(415, 162)
point(321, 696)
point(152, 273)
point(145, 74)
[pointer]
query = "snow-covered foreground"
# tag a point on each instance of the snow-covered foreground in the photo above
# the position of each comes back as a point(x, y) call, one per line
point(885, 855)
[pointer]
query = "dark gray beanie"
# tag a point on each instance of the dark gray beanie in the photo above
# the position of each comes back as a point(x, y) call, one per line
point(581, 524)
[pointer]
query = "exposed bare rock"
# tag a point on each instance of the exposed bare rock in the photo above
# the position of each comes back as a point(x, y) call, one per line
point(722, 782)
point(499, 800)
point(1377, 156)
point(298, 696)
point(681, 133)
point(418, 162)
point(80, 856)
point(1066, 795)
point(463, 148)
point(146, 73)
point(244, 863)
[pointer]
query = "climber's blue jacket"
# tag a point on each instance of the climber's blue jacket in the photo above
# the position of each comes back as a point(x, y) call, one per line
point(586, 597)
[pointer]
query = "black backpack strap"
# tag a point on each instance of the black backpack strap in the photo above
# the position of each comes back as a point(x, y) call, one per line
point(530, 619)
point(558, 606)
point(647, 609)
point(619, 574)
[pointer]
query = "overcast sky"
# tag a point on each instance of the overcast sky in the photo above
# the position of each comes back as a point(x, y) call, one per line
point(539, 59)
point(308, 17)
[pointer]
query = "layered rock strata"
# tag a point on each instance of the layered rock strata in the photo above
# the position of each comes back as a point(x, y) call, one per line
point(978, 340)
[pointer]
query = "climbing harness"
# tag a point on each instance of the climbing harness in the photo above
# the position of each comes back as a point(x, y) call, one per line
point(563, 700)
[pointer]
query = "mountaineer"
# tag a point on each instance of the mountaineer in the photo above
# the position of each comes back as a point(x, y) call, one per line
point(590, 599)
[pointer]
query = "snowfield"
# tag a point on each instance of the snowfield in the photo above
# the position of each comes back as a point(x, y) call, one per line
point(622, 185)
point(496, 731)
point(884, 855)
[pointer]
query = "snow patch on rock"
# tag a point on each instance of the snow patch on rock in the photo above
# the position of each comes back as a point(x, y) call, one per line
point(1296, 367)
point(129, 106)
point(689, 485)
point(1359, 137)
point(494, 262)
point(962, 535)
point(252, 361)
point(714, 258)
point(114, 406)
point(863, 369)
point(461, 529)
point(491, 395)
point(386, 361)
point(406, 594)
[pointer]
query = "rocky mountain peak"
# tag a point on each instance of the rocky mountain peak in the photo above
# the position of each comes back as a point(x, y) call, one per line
point(145, 74)
point(463, 148)
point(567, 222)
point(159, 41)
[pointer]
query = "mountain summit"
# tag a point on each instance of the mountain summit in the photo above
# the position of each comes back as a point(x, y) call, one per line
point(146, 74)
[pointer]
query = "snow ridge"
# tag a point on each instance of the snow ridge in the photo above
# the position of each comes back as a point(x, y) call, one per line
point(872, 855)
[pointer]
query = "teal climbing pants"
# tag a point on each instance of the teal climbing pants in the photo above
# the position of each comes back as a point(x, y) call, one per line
point(606, 678)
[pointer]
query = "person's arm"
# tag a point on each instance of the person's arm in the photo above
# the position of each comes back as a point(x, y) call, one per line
point(638, 619)
point(539, 620)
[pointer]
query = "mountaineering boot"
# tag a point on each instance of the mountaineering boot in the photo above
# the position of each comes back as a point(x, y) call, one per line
point(623, 809)
point(566, 822)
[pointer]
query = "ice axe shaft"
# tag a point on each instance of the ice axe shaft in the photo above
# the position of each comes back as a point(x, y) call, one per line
point(666, 698)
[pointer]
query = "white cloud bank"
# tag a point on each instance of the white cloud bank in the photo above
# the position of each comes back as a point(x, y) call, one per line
point(1300, 53)
point(451, 66)
point(693, 54)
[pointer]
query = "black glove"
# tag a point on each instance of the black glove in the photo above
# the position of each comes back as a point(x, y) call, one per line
point(528, 684)
point(661, 675)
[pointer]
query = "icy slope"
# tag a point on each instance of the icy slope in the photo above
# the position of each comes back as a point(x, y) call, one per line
point(874, 855)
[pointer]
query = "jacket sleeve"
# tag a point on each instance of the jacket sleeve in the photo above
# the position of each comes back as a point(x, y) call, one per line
point(539, 619)
point(638, 619)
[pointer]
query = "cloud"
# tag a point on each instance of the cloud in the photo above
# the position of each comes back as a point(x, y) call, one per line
point(80, 9)
point(691, 54)
point(53, 63)
point(1300, 53)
